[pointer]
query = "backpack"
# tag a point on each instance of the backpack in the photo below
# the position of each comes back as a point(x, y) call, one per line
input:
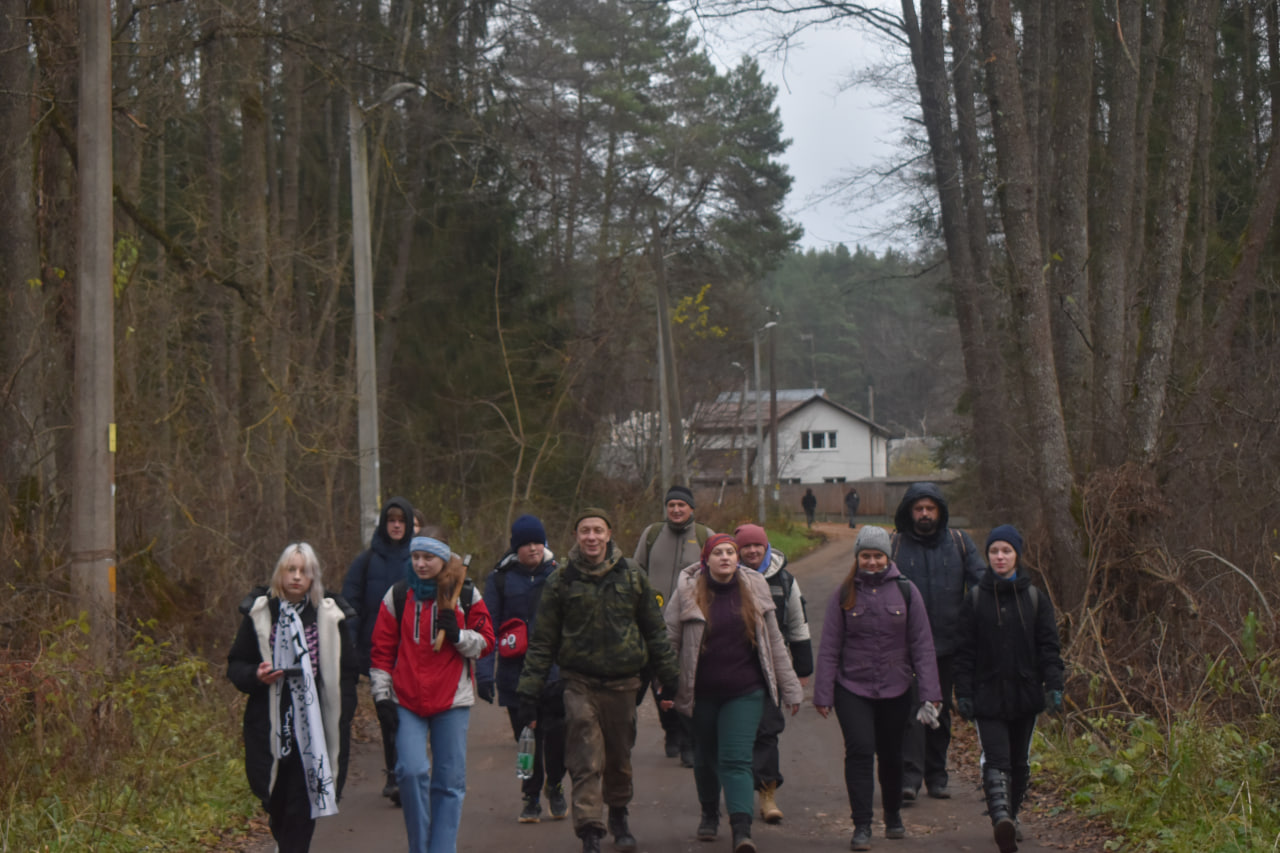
point(1033, 592)
point(400, 595)
point(700, 532)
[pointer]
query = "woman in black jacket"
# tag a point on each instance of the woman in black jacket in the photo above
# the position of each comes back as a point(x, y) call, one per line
point(294, 657)
point(1008, 669)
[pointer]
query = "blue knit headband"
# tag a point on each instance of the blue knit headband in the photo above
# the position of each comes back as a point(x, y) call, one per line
point(431, 546)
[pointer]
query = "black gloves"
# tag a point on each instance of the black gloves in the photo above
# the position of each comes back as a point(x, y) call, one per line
point(484, 689)
point(447, 621)
point(527, 712)
point(1053, 700)
point(964, 707)
point(387, 714)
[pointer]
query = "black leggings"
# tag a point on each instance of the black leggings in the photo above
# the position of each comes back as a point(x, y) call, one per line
point(872, 729)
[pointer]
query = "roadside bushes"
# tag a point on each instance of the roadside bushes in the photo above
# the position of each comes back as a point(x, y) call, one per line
point(148, 759)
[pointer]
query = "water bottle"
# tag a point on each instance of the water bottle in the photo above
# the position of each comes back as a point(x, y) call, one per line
point(524, 754)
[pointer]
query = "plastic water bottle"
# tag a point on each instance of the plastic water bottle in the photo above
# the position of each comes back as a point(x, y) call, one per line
point(524, 754)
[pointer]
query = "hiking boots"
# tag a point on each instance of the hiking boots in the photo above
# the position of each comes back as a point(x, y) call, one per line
point(909, 795)
point(622, 837)
point(740, 823)
point(591, 836)
point(556, 803)
point(939, 792)
point(769, 805)
point(532, 811)
point(672, 744)
point(709, 826)
point(686, 754)
point(893, 827)
point(996, 788)
point(861, 838)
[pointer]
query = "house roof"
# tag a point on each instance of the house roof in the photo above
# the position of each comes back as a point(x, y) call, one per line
point(728, 413)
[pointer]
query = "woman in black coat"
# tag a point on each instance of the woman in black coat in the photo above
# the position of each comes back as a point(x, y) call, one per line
point(1008, 668)
point(294, 657)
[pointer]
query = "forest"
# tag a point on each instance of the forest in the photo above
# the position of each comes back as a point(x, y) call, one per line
point(575, 215)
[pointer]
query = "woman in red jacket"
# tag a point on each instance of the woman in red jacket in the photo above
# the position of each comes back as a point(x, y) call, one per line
point(433, 692)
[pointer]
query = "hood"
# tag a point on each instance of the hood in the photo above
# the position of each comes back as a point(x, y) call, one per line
point(916, 491)
point(382, 542)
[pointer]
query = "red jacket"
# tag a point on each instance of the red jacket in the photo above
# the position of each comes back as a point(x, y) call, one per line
point(405, 667)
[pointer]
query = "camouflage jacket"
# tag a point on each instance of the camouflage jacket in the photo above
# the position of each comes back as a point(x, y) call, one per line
point(602, 622)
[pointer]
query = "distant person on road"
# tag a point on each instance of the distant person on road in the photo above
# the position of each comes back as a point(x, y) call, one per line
point(294, 657)
point(1008, 668)
point(431, 690)
point(666, 547)
point(810, 504)
point(599, 620)
point(942, 562)
point(512, 593)
point(875, 635)
point(851, 501)
point(755, 552)
point(733, 661)
point(368, 578)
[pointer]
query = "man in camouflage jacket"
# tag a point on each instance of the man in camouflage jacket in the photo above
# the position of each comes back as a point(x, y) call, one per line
point(599, 620)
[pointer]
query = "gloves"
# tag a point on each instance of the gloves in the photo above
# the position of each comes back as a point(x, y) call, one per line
point(1053, 700)
point(667, 693)
point(388, 717)
point(447, 621)
point(485, 690)
point(527, 712)
point(964, 707)
point(928, 715)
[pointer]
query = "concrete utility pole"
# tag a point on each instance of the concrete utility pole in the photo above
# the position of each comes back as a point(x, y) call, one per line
point(362, 269)
point(755, 349)
point(742, 420)
point(773, 419)
point(664, 408)
point(93, 514)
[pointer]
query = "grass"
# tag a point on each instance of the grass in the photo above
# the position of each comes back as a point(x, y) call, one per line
point(150, 759)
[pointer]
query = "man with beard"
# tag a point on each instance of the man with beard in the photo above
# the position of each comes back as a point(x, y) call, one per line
point(942, 563)
point(599, 620)
point(666, 547)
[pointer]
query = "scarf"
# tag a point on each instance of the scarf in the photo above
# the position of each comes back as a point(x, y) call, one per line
point(300, 720)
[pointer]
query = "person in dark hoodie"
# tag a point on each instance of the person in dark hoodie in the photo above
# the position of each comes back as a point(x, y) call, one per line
point(370, 575)
point(511, 593)
point(942, 563)
point(294, 658)
point(1008, 668)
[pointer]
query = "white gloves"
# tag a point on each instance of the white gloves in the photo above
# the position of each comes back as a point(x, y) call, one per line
point(928, 715)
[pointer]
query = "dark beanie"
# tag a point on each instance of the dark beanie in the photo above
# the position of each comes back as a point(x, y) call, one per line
point(679, 493)
point(593, 512)
point(1006, 533)
point(751, 534)
point(525, 530)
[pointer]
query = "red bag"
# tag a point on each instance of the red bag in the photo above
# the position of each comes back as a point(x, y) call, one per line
point(513, 638)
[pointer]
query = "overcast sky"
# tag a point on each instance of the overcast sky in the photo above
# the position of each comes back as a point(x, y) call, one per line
point(832, 132)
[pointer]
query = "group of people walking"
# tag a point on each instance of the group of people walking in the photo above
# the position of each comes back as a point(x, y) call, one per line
point(712, 624)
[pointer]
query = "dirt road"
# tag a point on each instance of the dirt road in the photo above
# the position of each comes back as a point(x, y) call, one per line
point(665, 808)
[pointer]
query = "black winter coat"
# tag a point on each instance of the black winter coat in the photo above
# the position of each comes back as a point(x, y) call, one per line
point(372, 573)
point(1009, 652)
point(521, 591)
point(941, 566)
point(242, 670)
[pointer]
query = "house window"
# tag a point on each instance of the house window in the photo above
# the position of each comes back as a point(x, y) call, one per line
point(820, 440)
point(833, 479)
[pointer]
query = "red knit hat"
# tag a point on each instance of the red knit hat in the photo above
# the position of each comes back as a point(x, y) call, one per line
point(713, 541)
point(751, 534)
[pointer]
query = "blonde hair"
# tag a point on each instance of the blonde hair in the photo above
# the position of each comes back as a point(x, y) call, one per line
point(310, 567)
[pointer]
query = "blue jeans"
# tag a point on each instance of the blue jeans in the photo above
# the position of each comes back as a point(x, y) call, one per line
point(432, 796)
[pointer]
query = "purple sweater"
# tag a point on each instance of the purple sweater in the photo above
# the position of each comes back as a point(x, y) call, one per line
point(874, 649)
point(728, 666)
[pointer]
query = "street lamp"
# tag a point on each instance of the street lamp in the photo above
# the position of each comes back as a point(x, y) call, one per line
point(362, 268)
point(755, 347)
point(741, 410)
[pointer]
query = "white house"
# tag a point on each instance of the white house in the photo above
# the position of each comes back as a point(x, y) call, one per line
point(818, 441)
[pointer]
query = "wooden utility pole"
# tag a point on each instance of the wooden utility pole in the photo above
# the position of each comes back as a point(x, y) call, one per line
point(93, 516)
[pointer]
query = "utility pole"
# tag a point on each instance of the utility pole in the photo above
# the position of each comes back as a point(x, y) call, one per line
point(773, 419)
point(742, 402)
point(93, 515)
point(755, 351)
point(664, 408)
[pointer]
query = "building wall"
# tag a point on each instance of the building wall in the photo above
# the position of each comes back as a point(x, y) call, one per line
point(859, 453)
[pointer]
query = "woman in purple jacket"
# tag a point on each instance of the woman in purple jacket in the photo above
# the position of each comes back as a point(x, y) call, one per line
point(875, 642)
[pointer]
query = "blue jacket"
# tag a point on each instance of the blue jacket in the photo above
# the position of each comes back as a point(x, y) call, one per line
point(942, 565)
point(512, 592)
point(374, 572)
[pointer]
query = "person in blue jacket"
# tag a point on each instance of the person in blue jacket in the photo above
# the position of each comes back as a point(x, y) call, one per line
point(370, 575)
point(511, 593)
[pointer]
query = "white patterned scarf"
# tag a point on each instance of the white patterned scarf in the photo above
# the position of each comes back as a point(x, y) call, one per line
point(300, 719)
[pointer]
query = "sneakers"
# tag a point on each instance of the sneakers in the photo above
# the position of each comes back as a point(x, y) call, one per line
point(861, 838)
point(893, 827)
point(555, 802)
point(532, 811)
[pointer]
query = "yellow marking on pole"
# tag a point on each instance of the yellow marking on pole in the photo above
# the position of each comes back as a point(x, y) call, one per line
point(111, 438)
point(111, 578)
